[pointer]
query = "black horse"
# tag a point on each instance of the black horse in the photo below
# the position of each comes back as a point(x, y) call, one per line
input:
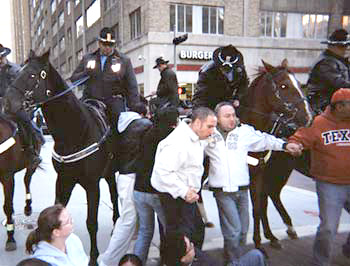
point(13, 159)
point(82, 152)
point(274, 103)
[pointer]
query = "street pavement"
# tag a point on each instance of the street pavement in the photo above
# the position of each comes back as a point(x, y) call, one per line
point(298, 196)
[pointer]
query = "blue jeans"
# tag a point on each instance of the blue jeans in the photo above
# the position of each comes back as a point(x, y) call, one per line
point(146, 204)
point(331, 200)
point(234, 220)
point(251, 258)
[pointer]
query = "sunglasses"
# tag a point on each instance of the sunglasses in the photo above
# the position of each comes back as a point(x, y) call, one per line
point(109, 44)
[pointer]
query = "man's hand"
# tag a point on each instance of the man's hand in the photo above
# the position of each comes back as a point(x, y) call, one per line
point(294, 149)
point(191, 196)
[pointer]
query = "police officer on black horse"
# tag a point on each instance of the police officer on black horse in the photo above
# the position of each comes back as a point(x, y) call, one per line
point(330, 72)
point(112, 78)
point(222, 79)
point(32, 138)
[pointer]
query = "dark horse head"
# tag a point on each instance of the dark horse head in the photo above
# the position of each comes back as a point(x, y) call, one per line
point(276, 95)
point(31, 87)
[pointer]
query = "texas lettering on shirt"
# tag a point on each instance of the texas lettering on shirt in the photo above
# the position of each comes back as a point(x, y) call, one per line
point(340, 136)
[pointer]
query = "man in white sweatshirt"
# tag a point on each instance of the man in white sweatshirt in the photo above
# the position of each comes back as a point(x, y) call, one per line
point(177, 173)
point(229, 174)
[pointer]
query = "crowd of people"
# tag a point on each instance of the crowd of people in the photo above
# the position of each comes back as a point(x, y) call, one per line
point(165, 177)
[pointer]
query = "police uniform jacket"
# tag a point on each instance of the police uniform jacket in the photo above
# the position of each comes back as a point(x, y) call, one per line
point(167, 88)
point(7, 75)
point(328, 74)
point(116, 78)
point(212, 87)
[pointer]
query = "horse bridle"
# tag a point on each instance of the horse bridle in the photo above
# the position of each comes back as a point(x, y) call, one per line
point(28, 103)
point(290, 107)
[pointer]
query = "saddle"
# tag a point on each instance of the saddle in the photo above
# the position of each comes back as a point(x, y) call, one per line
point(99, 112)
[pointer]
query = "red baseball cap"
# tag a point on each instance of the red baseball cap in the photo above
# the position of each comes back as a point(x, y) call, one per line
point(340, 95)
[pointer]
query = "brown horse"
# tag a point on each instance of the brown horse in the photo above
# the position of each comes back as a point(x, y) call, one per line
point(274, 102)
point(13, 159)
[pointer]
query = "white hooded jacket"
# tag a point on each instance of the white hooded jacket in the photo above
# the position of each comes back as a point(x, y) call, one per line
point(75, 255)
point(228, 167)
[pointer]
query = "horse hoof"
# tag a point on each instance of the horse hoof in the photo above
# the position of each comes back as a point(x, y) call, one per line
point(10, 246)
point(28, 211)
point(292, 234)
point(275, 244)
point(346, 250)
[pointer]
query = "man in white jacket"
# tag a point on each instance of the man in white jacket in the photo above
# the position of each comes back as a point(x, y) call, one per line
point(229, 174)
point(178, 170)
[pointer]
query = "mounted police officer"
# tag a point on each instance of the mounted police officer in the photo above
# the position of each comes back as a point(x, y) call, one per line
point(167, 87)
point(222, 79)
point(32, 138)
point(330, 72)
point(112, 78)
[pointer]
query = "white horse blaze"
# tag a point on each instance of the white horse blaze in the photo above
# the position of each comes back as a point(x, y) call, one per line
point(306, 105)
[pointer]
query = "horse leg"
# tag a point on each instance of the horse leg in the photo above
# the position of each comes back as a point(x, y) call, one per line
point(8, 185)
point(27, 178)
point(64, 188)
point(93, 197)
point(284, 214)
point(256, 214)
point(114, 195)
point(274, 242)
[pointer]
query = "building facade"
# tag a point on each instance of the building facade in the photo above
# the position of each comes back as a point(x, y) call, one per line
point(268, 30)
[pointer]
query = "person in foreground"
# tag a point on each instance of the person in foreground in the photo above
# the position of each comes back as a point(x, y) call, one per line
point(180, 251)
point(130, 260)
point(178, 170)
point(328, 140)
point(229, 173)
point(32, 262)
point(53, 241)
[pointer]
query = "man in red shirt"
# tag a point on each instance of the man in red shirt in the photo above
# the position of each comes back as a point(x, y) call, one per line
point(328, 139)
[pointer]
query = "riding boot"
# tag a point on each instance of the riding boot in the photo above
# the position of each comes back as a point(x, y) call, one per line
point(32, 144)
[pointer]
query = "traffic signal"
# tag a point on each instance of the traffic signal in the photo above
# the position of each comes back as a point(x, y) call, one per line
point(181, 90)
point(180, 39)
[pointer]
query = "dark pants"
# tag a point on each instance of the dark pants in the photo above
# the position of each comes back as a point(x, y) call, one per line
point(115, 106)
point(184, 217)
point(31, 134)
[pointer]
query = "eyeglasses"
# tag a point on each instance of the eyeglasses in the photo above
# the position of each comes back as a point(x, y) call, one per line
point(68, 221)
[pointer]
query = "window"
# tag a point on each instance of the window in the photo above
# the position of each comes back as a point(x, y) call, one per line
point(63, 68)
point(61, 19)
point(68, 7)
point(79, 25)
point(80, 55)
point(197, 19)
point(293, 25)
point(55, 51)
point(54, 28)
point(346, 23)
point(116, 33)
point(44, 42)
point(53, 6)
point(62, 44)
point(135, 23)
point(93, 13)
point(213, 20)
point(70, 64)
point(69, 35)
point(108, 3)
